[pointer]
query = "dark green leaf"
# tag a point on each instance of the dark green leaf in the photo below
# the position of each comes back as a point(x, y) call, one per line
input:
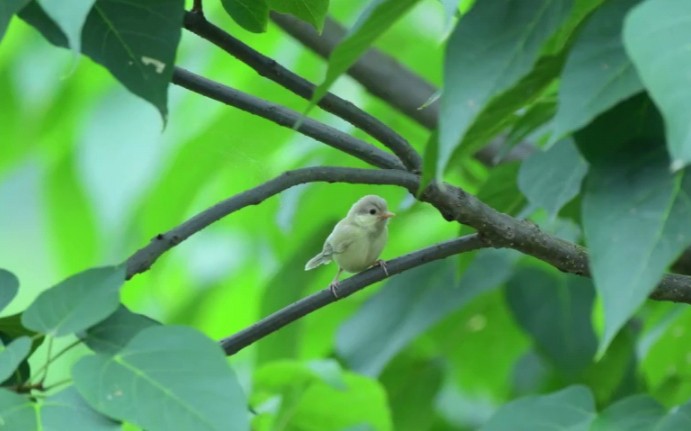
point(408, 305)
point(112, 334)
point(12, 355)
point(165, 377)
point(550, 179)
point(493, 46)
point(7, 9)
point(67, 410)
point(634, 209)
point(16, 411)
point(636, 413)
point(310, 11)
point(572, 408)
point(597, 74)
point(9, 286)
point(252, 15)
point(70, 16)
point(555, 310)
point(429, 169)
point(136, 42)
point(76, 303)
point(500, 191)
point(655, 35)
point(377, 17)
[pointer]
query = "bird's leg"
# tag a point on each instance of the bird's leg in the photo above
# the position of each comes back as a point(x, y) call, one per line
point(383, 266)
point(334, 284)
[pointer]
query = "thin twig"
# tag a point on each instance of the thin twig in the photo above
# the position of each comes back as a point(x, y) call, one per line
point(274, 71)
point(347, 287)
point(287, 118)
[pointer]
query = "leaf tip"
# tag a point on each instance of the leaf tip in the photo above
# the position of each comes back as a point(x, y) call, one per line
point(676, 165)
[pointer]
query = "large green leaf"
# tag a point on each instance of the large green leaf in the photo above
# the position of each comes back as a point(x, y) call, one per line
point(136, 42)
point(500, 191)
point(572, 408)
point(493, 46)
point(636, 413)
point(16, 411)
point(377, 17)
point(67, 410)
point(678, 419)
point(70, 16)
point(7, 9)
point(555, 310)
point(9, 286)
point(112, 334)
point(164, 378)
point(76, 303)
point(310, 11)
point(550, 179)
point(597, 74)
point(635, 212)
point(12, 355)
point(655, 36)
point(252, 15)
point(408, 305)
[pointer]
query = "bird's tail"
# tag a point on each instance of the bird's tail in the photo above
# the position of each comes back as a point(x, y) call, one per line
point(317, 260)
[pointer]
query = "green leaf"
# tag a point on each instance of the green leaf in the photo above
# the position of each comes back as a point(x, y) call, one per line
point(555, 310)
point(252, 15)
point(634, 209)
point(70, 16)
point(429, 168)
point(636, 413)
point(112, 334)
point(67, 410)
point(493, 46)
point(16, 412)
point(654, 36)
point(402, 310)
point(76, 303)
point(571, 408)
point(7, 9)
point(136, 42)
point(165, 375)
point(9, 286)
point(500, 191)
point(598, 74)
point(12, 355)
point(310, 11)
point(550, 179)
point(678, 419)
point(377, 17)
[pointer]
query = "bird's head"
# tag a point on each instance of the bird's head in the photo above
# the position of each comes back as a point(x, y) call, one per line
point(370, 211)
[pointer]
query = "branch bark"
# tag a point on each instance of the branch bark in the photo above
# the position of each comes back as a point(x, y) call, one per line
point(347, 287)
point(269, 68)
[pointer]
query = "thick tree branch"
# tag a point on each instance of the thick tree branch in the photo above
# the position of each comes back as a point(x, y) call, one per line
point(281, 318)
point(287, 118)
point(142, 260)
point(269, 68)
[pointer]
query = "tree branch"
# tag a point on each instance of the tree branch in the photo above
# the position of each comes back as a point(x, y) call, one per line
point(287, 118)
point(142, 260)
point(347, 287)
point(269, 68)
point(379, 73)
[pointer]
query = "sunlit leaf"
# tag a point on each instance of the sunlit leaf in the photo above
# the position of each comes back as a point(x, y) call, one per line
point(76, 303)
point(12, 355)
point(9, 286)
point(67, 410)
point(165, 378)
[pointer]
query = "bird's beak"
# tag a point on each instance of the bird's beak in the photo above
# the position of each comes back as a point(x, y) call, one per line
point(386, 215)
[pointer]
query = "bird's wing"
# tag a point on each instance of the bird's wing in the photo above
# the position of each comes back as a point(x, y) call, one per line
point(343, 235)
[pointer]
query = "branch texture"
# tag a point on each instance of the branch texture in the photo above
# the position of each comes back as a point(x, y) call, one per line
point(269, 68)
point(286, 118)
point(347, 287)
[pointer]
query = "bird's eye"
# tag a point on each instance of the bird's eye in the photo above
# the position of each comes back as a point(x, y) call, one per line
point(373, 211)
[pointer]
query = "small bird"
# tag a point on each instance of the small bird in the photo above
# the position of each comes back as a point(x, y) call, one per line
point(357, 240)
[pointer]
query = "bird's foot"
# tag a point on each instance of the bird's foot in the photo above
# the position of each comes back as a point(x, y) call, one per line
point(383, 266)
point(333, 287)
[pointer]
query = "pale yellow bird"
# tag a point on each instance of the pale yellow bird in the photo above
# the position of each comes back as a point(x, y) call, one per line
point(356, 241)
